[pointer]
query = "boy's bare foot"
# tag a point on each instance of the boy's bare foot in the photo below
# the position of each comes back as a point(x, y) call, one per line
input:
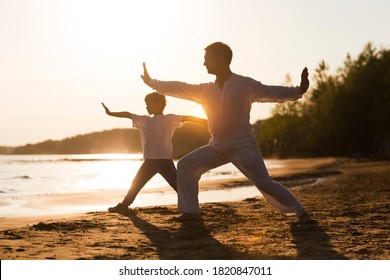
point(119, 208)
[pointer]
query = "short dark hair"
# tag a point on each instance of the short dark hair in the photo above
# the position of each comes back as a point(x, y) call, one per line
point(221, 49)
point(156, 97)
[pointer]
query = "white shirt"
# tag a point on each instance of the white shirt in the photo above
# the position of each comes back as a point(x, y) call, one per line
point(156, 134)
point(228, 110)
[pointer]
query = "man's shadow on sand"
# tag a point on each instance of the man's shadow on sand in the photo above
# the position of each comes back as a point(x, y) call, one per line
point(313, 243)
point(191, 241)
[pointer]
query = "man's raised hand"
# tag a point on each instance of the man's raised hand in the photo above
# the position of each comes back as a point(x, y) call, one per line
point(145, 77)
point(106, 109)
point(304, 80)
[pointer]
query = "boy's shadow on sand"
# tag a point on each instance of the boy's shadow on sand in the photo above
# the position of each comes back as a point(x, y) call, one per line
point(191, 241)
point(313, 243)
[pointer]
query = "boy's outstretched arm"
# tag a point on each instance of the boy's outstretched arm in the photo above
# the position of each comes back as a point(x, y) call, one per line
point(194, 119)
point(117, 114)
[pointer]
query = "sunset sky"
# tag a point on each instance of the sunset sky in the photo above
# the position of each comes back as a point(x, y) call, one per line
point(59, 59)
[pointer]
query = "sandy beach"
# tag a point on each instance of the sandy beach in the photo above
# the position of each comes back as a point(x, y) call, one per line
point(349, 199)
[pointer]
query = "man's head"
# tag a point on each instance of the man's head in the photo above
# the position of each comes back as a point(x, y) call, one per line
point(217, 56)
point(155, 103)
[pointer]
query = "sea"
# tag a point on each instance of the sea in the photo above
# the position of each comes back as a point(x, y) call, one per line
point(27, 179)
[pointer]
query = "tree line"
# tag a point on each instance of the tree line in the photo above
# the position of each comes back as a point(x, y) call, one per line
point(344, 114)
point(186, 139)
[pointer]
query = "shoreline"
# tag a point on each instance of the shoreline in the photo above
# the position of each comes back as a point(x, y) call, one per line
point(350, 201)
point(51, 206)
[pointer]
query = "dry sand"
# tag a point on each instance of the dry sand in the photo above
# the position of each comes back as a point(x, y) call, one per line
point(348, 198)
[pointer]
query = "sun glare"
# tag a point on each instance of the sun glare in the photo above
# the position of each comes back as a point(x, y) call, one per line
point(120, 28)
point(199, 112)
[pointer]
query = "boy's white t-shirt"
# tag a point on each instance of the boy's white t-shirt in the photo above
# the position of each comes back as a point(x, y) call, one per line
point(156, 134)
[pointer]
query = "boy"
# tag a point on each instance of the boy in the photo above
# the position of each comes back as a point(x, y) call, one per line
point(156, 134)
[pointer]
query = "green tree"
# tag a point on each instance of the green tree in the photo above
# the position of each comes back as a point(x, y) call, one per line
point(345, 114)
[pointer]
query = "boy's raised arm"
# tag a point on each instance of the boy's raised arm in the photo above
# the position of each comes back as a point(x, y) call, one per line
point(194, 119)
point(117, 114)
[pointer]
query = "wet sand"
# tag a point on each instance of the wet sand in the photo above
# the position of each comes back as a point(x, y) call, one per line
point(349, 199)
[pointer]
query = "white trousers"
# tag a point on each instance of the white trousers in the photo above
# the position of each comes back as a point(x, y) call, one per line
point(248, 160)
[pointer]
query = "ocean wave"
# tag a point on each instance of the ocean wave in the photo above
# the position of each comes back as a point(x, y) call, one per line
point(96, 159)
point(73, 158)
point(23, 177)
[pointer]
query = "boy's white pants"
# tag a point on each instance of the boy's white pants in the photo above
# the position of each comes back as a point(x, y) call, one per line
point(248, 160)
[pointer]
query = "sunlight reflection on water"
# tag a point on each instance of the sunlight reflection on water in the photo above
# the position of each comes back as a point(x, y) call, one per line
point(26, 181)
point(22, 175)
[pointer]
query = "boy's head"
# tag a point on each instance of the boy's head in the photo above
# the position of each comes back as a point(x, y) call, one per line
point(155, 103)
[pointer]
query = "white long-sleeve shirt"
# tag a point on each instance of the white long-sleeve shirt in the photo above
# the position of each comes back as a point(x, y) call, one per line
point(228, 110)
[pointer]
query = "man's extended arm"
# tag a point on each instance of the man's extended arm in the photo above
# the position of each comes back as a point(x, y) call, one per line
point(173, 88)
point(265, 93)
point(304, 80)
point(145, 76)
point(117, 114)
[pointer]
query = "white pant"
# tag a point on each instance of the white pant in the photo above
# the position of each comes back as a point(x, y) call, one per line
point(248, 160)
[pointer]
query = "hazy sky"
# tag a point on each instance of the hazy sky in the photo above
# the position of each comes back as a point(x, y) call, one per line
point(59, 58)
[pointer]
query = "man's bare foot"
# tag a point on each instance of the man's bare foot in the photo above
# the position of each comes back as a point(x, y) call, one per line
point(187, 217)
point(305, 218)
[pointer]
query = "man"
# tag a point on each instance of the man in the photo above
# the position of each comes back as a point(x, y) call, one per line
point(227, 103)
